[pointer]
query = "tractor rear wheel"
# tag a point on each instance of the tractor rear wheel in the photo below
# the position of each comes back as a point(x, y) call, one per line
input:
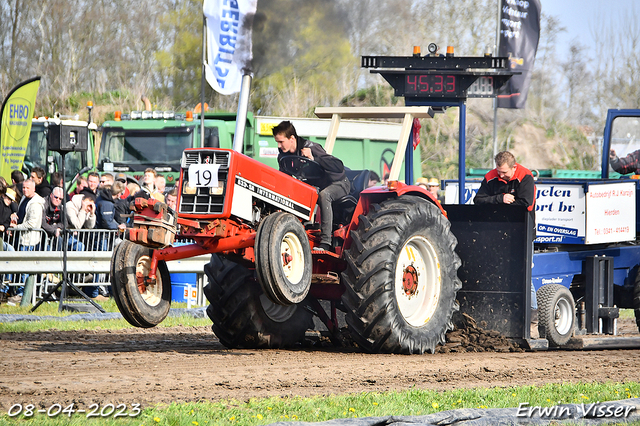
point(401, 280)
point(142, 303)
point(556, 314)
point(243, 316)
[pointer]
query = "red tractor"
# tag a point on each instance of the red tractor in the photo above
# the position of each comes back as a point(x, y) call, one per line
point(393, 273)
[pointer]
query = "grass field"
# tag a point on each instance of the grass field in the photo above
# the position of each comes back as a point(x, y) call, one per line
point(51, 310)
point(413, 402)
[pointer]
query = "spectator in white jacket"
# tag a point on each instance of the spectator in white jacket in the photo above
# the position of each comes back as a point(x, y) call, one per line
point(28, 224)
point(81, 211)
point(33, 206)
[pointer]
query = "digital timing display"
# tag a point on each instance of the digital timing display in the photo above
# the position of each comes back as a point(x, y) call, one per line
point(431, 85)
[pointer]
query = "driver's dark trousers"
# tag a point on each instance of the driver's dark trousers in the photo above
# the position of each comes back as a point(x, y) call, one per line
point(327, 196)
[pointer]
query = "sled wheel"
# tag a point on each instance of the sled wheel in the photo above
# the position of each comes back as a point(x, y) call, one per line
point(283, 259)
point(243, 316)
point(401, 280)
point(636, 299)
point(556, 314)
point(117, 289)
point(147, 303)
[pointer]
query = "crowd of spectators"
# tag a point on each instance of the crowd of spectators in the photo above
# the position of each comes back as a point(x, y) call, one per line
point(99, 201)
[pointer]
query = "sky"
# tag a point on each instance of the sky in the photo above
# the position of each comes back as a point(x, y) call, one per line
point(579, 16)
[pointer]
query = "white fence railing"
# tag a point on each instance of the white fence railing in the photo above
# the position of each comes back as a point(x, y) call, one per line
point(88, 260)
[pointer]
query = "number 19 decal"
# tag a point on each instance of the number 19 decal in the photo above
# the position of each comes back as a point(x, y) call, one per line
point(203, 175)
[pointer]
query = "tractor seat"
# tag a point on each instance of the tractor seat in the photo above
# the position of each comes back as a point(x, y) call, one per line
point(344, 207)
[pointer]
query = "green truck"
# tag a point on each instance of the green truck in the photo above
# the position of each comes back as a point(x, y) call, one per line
point(133, 142)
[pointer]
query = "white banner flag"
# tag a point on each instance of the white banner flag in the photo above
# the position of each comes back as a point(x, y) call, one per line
point(228, 42)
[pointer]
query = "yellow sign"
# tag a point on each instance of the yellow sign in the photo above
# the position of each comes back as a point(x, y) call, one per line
point(15, 125)
point(266, 128)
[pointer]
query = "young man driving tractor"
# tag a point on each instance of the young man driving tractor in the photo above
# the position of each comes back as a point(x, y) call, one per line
point(333, 185)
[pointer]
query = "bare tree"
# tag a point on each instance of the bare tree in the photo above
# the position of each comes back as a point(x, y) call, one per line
point(579, 81)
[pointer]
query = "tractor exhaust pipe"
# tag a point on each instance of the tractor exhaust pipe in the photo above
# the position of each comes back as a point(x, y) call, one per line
point(241, 116)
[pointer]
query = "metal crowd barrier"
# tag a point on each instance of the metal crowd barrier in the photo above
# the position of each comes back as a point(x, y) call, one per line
point(88, 260)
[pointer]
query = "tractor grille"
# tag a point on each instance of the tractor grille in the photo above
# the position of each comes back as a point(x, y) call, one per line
point(204, 201)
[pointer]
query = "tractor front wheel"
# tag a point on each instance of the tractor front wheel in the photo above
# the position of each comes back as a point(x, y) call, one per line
point(401, 281)
point(283, 259)
point(243, 316)
point(143, 303)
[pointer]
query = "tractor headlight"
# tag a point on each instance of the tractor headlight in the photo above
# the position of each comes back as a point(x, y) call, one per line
point(216, 190)
point(188, 189)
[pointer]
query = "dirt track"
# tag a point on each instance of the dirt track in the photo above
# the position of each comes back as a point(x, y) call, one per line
point(189, 364)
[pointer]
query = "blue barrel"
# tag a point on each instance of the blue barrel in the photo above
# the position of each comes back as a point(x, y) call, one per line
point(179, 283)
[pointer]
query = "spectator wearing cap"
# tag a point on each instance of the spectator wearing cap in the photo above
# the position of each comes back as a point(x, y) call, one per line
point(421, 181)
point(432, 185)
point(122, 178)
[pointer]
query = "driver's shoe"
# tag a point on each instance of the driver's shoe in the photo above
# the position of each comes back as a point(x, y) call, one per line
point(323, 247)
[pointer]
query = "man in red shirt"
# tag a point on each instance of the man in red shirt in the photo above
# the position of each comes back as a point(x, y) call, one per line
point(511, 183)
point(508, 183)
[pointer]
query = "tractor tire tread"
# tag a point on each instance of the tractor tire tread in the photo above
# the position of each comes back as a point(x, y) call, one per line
point(238, 317)
point(373, 316)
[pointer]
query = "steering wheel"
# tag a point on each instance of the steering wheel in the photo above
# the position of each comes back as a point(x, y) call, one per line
point(301, 168)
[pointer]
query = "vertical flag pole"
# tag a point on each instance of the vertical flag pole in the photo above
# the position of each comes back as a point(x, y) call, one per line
point(495, 99)
point(243, 106)
point(204, 52)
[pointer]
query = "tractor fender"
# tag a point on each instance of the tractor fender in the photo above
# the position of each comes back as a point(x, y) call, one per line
point(377, 194)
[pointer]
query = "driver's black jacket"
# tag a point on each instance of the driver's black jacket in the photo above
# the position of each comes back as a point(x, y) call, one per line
point(332, 166)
